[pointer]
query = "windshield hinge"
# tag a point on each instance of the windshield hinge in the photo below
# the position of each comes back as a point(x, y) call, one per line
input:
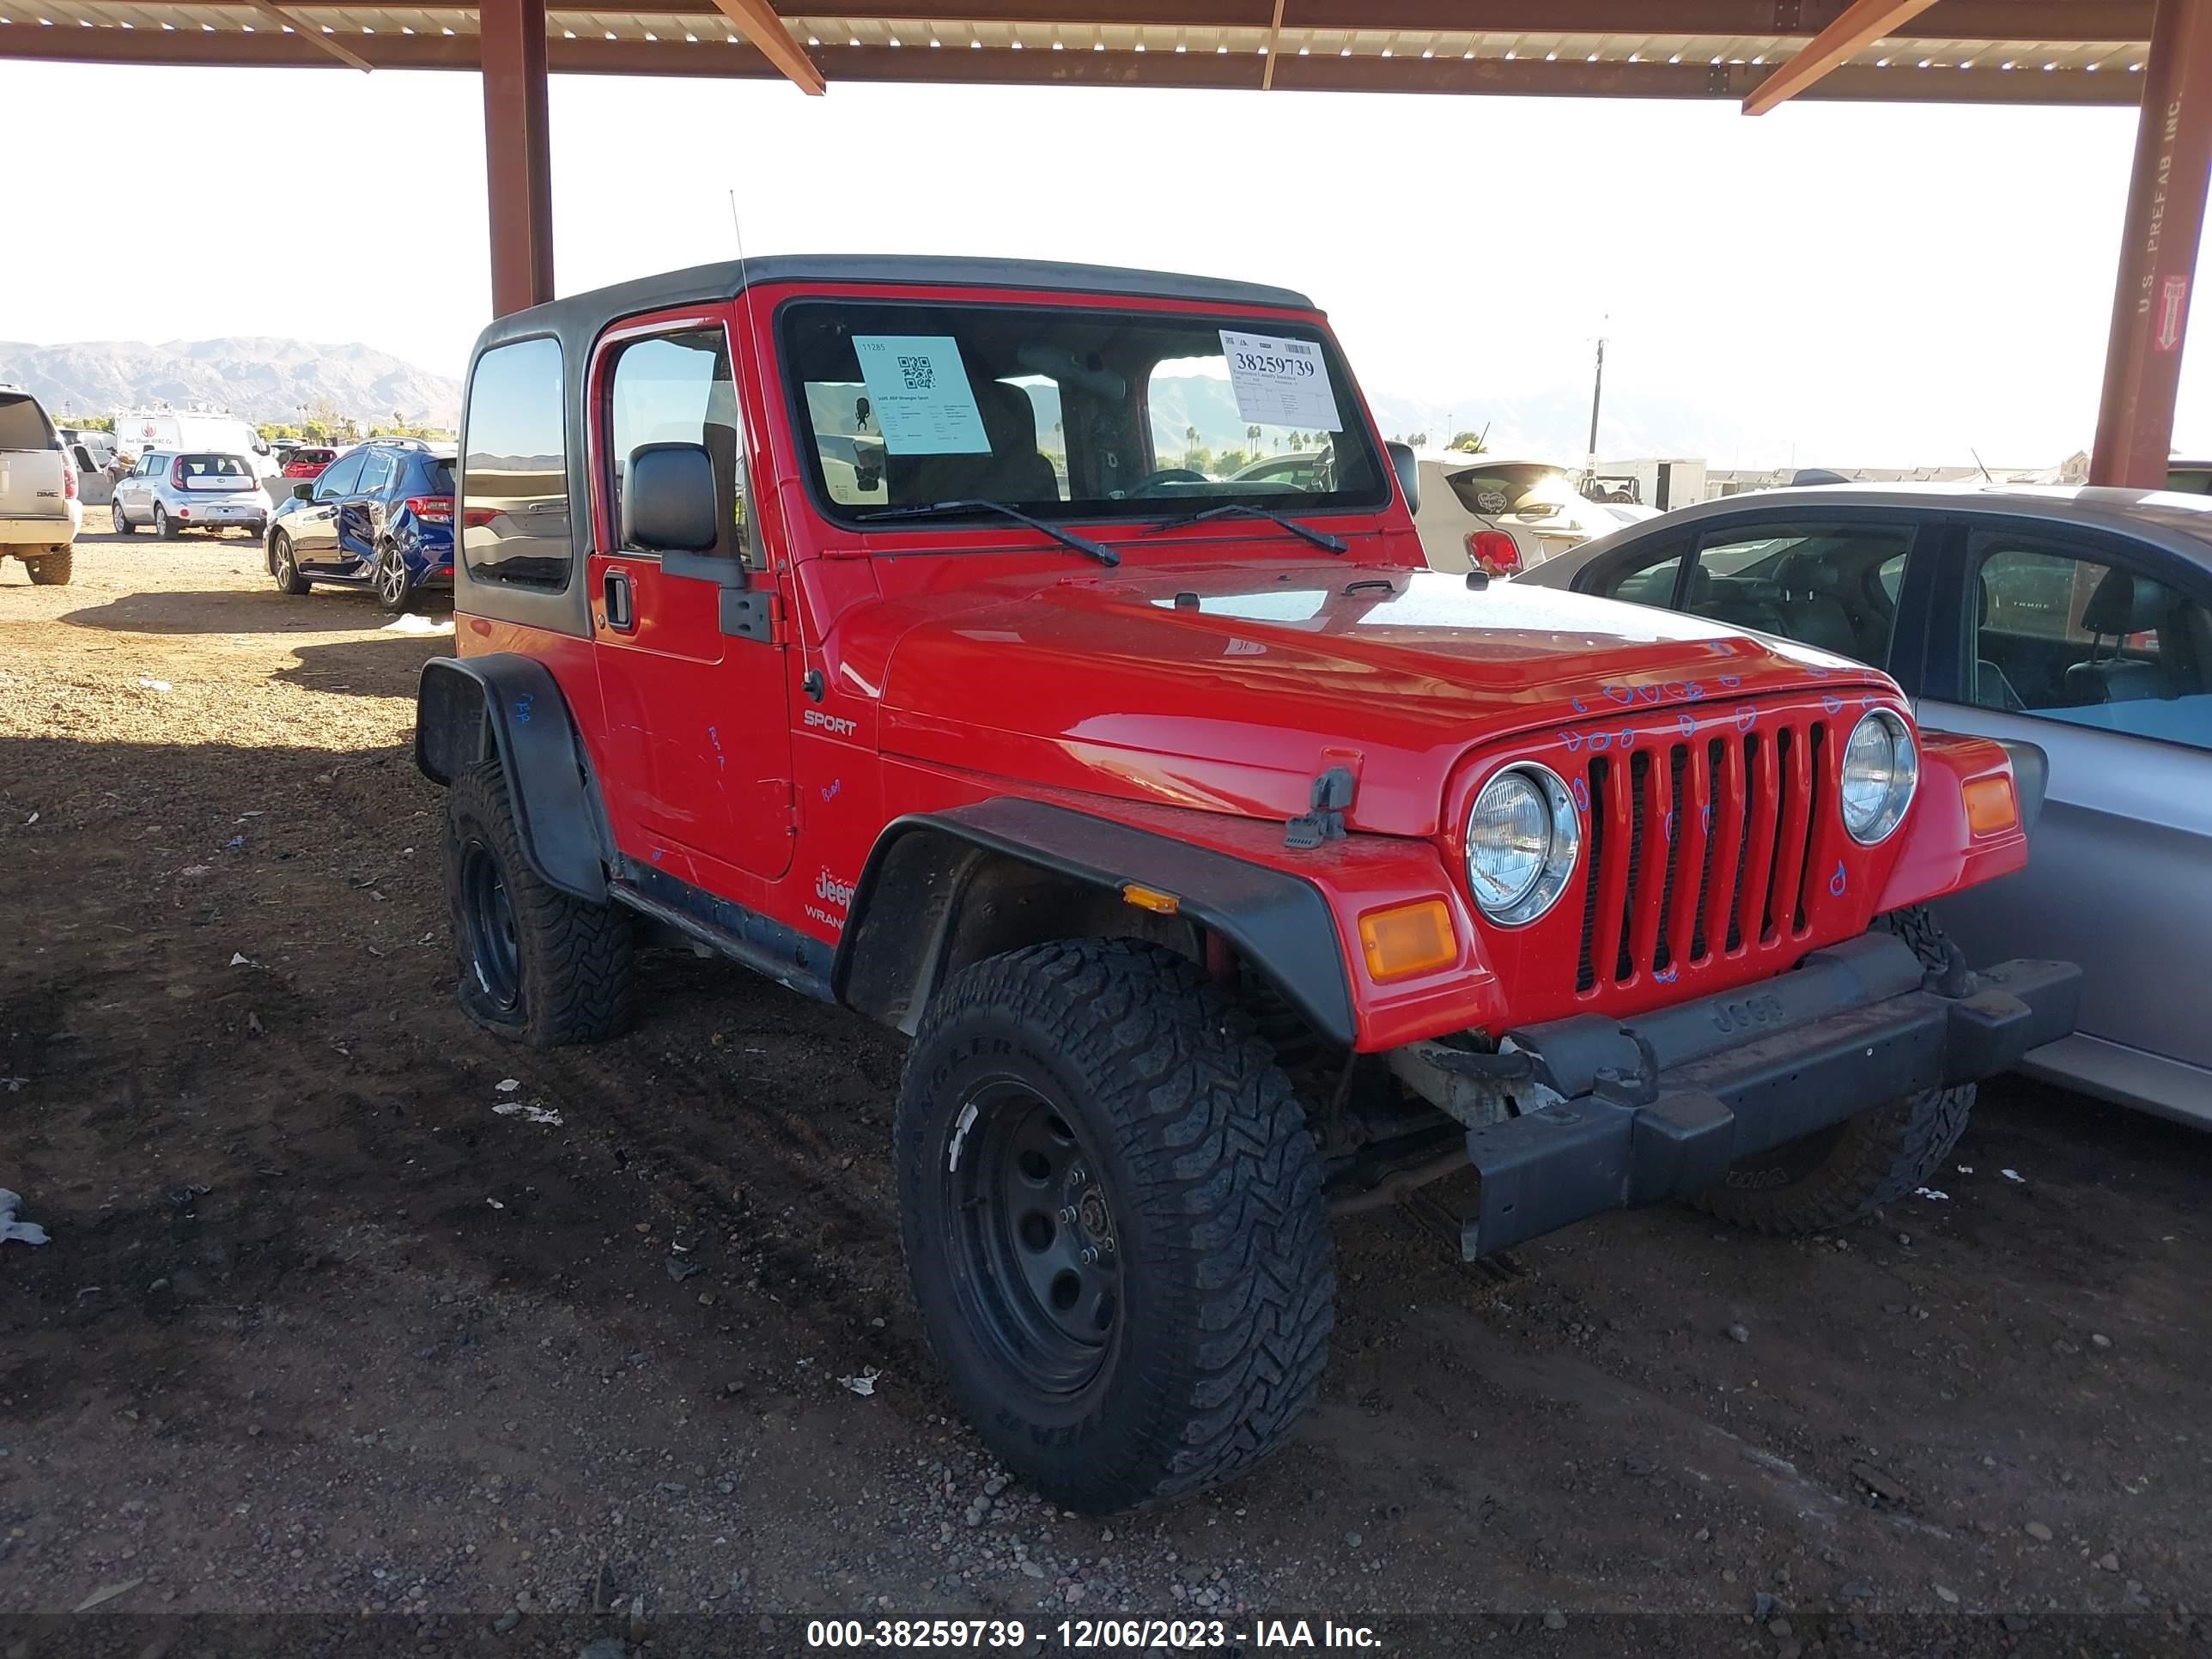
point(1332, 795)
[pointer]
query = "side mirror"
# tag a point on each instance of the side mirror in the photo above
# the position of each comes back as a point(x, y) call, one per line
point(1409, 473)
point(668, 500)
point(304, 490)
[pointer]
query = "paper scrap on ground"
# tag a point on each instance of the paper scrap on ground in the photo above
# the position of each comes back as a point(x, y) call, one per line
point(919, 393)
point(237, 959)
point(156, 686)
point(865, 1383)
point(507, 1085)
point(2012, 1175)
point(535, 1114)
point(415, 623)
point(22, 1232)
point(1279, 382)
point(107, 1593)
point(1931, 1193)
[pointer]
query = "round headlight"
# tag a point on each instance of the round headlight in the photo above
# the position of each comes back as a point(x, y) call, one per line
point(1881, 768)
point(1522, 839)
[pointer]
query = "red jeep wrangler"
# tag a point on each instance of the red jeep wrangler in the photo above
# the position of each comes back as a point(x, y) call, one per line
point(879, 625)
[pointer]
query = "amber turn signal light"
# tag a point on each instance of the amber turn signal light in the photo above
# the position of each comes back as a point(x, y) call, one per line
point(1408, 939)
point(1150, 898)
point(1991, 805)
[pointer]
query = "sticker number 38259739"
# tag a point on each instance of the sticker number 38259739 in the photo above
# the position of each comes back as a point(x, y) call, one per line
point(1280, 382)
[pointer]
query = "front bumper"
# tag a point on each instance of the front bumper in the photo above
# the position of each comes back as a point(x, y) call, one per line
point(1658, 1106)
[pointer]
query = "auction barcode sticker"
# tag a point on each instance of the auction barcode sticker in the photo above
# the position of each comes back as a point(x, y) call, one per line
point(919, 392)
point(1280, 382)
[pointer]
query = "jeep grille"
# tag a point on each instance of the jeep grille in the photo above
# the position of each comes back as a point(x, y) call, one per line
point(1702, 846)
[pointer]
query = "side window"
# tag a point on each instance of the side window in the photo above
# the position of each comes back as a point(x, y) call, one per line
point(677, 388)
point(339, 478)
point(2066, 636)
point(1646, 578)
point(1830, 586)
point(514, 470)
point(376, 473)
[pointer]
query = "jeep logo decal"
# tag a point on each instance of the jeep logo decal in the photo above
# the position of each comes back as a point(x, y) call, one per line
point(831, 724)
point(830, 891)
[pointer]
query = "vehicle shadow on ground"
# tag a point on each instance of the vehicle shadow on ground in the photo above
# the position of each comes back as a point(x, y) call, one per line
point(381, 665)
point(231, 611)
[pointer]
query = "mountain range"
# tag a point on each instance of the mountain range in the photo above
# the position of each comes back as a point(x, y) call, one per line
point(257, 377)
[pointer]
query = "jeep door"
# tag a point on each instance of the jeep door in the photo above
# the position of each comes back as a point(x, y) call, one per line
point(691, 672)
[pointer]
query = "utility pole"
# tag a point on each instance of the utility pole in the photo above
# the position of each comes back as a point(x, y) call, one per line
point(1597, 395)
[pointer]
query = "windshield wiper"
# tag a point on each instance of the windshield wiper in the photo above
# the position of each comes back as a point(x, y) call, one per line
point(1066, 539)
point(1319, 539)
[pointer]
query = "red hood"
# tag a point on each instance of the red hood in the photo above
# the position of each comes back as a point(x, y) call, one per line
point(1232, 689)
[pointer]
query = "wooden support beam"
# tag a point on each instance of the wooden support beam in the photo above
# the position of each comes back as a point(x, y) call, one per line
point(1863, 23)
point(1274, 46)
point(758, 20)
point(314, 35)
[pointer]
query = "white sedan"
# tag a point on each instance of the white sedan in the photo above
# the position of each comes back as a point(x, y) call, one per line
point(1477, 512)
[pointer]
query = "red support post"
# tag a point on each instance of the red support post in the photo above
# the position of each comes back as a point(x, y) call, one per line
point(2158, 251)
point(518, 154)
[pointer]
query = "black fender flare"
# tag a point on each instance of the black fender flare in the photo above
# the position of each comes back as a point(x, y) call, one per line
point(907, 904)
point(469, 709)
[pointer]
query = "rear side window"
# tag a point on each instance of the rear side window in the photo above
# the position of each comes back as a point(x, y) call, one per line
point(23, 424)
point(436, 476)
point(376, 474)
point(515, 468)
point(1830, 586)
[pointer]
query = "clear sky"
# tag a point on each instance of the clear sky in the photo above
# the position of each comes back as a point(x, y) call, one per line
point(1839, 284)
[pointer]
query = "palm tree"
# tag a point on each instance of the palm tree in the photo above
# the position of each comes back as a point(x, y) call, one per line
point(1252, 436)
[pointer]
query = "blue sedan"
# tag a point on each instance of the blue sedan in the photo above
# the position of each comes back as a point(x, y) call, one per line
point(380, 516)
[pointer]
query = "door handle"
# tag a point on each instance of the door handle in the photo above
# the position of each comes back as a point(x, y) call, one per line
point(622, 616)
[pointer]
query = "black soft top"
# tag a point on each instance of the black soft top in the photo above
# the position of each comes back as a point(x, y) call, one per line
point(579, 317)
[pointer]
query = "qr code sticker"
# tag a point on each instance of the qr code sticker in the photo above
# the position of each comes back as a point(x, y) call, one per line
point(919, 373)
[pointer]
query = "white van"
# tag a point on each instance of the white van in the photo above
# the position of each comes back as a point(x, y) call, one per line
point(40, 511)
point(179, 431)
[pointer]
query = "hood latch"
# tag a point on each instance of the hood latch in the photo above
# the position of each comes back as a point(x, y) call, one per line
point(1332, 795)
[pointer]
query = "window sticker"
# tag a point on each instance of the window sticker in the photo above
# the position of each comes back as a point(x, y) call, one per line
point(1279, 382)
point(918, 396)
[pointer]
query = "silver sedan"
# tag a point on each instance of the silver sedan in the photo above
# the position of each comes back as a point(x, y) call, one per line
point(2073, 621)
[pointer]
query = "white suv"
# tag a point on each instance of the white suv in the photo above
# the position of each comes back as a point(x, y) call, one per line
point(40, 511)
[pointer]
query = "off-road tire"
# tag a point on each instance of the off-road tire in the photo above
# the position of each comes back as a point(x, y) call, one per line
point(52, 569)
point(572, 973)
point(284, 565)
point(1843, 1174)
point(1214, 1187)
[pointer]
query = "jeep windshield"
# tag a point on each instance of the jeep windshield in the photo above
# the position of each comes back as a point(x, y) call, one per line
point(1069, 413)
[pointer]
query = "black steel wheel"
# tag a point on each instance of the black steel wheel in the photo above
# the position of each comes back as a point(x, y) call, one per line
point(531, 962)
point(488, 917)
point(1111, 1210)
point(1028, 1220)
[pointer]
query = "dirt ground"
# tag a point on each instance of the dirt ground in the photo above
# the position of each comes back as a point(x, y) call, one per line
point(330, 1338)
